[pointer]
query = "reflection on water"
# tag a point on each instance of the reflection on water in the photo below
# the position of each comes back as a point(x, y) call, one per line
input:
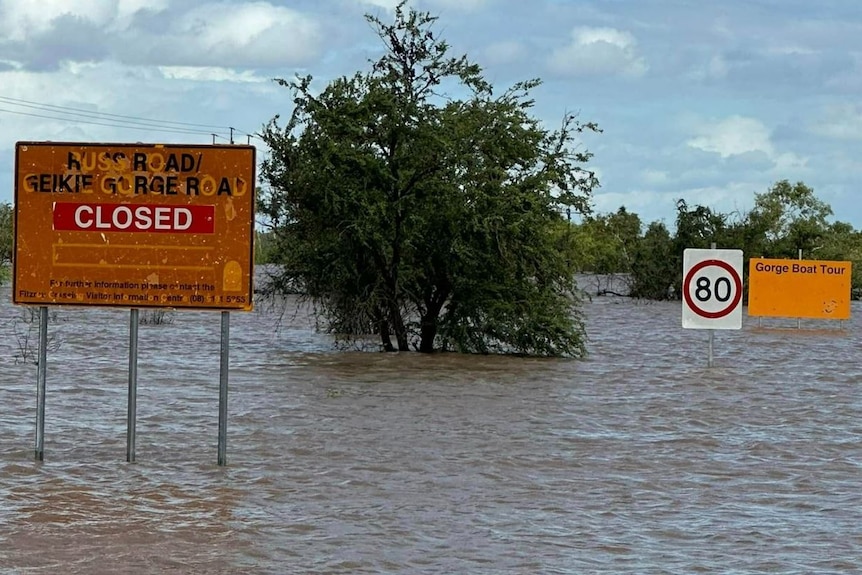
point(637, 460)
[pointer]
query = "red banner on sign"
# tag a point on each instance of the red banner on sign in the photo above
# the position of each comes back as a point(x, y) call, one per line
point(77, 217)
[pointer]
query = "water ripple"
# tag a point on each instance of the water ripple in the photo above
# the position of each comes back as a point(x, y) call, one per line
point(638, 460)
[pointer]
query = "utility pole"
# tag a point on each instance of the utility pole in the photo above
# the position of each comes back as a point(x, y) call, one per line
point(231, 134)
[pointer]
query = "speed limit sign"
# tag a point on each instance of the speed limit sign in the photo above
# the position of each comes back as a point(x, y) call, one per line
point(712, 289)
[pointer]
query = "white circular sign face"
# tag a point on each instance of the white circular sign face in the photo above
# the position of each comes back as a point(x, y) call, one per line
point(712, 289)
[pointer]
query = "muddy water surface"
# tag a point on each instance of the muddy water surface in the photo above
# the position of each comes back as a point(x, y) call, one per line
point(637, 460)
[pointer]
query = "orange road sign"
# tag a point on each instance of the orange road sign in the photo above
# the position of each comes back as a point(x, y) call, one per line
point(134, 225)
point(816, 289)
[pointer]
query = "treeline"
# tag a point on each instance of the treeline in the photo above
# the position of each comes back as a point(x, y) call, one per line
point(645, 260)
point(648, 259)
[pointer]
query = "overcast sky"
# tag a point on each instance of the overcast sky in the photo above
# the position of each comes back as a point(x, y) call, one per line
point(707, 101)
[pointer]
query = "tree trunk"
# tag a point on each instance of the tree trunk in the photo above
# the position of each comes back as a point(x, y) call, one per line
point(428, 327)
point(397, 323)
point(428, 332)
point(383, 327)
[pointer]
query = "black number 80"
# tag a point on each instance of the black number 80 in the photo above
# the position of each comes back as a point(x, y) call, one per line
point(705, 289)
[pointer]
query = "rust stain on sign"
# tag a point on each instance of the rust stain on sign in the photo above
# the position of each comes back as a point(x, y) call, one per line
point(134, 225)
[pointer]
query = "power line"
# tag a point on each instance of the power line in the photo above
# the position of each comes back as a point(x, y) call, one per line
point(115, 125)
point(100, 115)
point(119, 120)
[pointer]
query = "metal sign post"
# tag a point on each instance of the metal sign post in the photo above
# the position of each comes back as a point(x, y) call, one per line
point(133, 385)
point(711, 354)
point(41, 377)
point(222, 389)
point(799, 320)
point(709, 359)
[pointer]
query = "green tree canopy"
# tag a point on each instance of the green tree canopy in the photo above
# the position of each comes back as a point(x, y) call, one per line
point(432, 220)
point(786, 218)
point(791, 218)
point(655, 267)
point(607, 241)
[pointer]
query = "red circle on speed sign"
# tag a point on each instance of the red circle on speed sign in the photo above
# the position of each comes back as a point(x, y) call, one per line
point(686, 292)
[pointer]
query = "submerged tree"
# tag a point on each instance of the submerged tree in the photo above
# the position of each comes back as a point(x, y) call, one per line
point(609, 241)
point(655, 267)
point(432, 220)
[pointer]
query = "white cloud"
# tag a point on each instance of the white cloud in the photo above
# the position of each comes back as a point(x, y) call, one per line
point(655, 177)
point(22, 18)
point(218, 26)
point(465, 5)
point(716, 69)
point(253, 34)
point(732, 136)
point(12, 64)
point(599, 51)
point(432, 5)
point(127, 9)
point(789, 161)
point(38, 34)
point(738, 135)
point(209, 74)
point(840, 122)
point(385, 4)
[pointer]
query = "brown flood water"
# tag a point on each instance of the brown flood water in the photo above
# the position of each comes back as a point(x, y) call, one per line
point(637, 460)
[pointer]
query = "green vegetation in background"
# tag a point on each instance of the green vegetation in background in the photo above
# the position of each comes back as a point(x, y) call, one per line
point(786, 218)
point(264, 247)
point(5, 242)
point(431, 221)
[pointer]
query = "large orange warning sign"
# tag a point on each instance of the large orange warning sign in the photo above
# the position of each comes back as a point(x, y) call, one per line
point(134, 225)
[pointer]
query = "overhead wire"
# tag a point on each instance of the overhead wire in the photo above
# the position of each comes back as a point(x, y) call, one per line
point(55, 112)
point(82, 112)
point(111, 125)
